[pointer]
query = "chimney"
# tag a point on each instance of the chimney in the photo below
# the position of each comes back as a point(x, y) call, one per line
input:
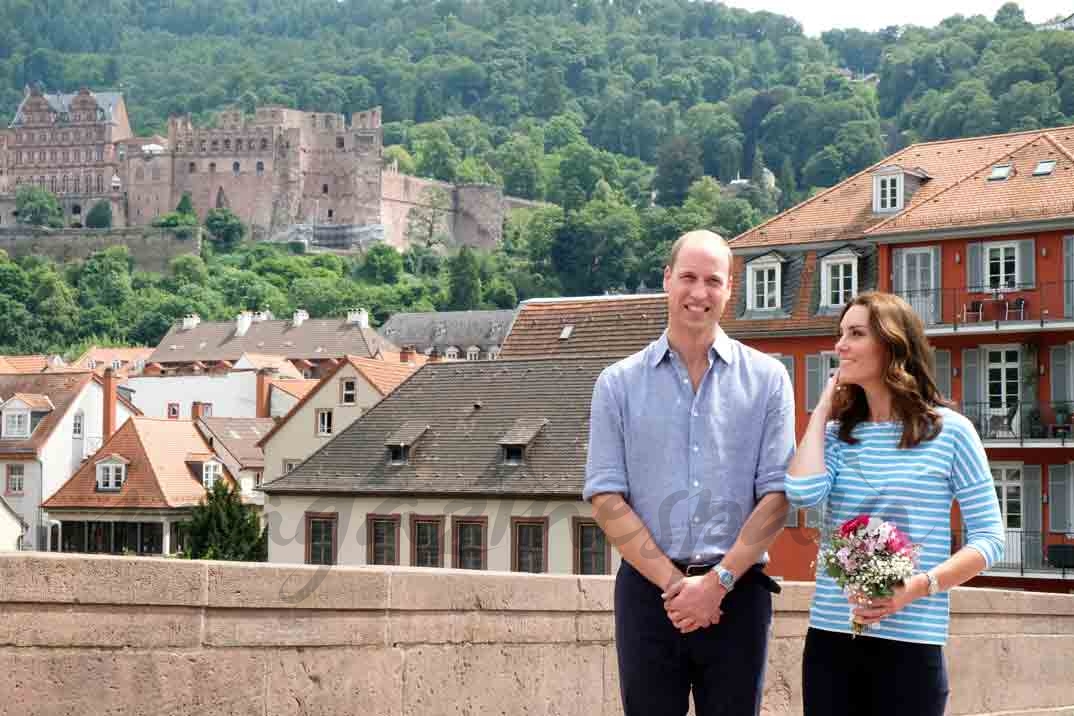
point(195, 410)
point(243, 322)
point(406, 354)
point(359, 317)
point(299, 318)
point(191, 321)
point(260, 316)
point(434, 355)
point(109, 423)
point(263, 405)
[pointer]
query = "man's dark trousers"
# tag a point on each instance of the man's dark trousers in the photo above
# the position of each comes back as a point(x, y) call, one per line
point(723, 664)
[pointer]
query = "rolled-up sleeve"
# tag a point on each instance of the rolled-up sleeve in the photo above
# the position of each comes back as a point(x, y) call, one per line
point(777, 442)
point(605, 469)
point(809, 490)
point(975, 491)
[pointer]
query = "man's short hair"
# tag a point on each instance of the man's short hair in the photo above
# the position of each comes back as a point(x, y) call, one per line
point(700, 233)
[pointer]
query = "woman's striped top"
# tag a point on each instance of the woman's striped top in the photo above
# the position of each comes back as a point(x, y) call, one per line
point(913, 489)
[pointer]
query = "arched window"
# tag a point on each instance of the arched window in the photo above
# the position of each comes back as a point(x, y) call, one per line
point(235, 169)
point(473, 353)
point(452, 353)
point(260, 168)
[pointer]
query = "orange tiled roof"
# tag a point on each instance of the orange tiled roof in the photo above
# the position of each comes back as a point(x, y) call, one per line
point(34, 401)
point(158, 476)
point(845, 211)
point(5, 366)
point(28, 364)
point(295, 388)
point(103, 358)
point(383, 375)
point(62, 390)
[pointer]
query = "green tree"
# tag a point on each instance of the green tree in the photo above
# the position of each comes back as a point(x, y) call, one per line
point(185, 205)
point(225, 228)
point(100, 216)
point(677, 167)
point(38, 206)
point(396, 155)
point(382, 264)
point(464, 291)
point(223, 527)
point(427, 223)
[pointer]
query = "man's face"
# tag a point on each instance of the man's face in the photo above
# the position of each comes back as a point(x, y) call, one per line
point(698, 286)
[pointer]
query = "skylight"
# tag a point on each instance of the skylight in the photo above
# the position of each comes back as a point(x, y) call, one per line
point(1044, 168)
point(566, 332)
point(1000, 172)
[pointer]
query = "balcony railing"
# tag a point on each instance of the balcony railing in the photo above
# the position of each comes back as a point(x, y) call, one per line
point(1025, 551)
point(1021, 422)
point(1041, 303)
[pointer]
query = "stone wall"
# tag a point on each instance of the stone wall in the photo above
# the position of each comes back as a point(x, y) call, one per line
point(152, 249)
point(88, 634)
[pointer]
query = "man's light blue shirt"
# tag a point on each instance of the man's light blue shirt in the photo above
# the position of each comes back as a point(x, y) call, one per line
point(692, 465)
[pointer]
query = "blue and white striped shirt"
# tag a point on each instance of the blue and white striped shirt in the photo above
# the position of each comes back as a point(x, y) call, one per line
point(913, 489)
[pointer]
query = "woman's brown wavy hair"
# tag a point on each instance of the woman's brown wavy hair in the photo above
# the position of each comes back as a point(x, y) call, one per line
point(909, 373)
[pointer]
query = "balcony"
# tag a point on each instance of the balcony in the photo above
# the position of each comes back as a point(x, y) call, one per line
point(1033, 424)
point(1025, 553)
point(1006, 309)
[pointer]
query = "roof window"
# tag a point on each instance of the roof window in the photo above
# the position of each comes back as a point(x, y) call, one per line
point(1044, 168)
point(1000, 172)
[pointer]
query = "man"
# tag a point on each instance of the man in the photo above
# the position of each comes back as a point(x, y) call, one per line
point(688, 448)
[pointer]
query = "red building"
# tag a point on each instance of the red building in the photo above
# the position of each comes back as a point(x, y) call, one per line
point(978, 235)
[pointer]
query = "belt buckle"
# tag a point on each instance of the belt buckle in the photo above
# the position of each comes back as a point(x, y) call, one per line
point(692, 569)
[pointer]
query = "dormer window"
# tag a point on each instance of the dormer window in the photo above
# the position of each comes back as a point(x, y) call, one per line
point(400, 442)
point(473, 353)
point(398, 454)
point(513, 454)
point(763, 279)
point(887, 192)
point(17, 424)
point(210, 473)
point(518, 437)
point(111, 475)
point(1000, 172)
point(838, 278)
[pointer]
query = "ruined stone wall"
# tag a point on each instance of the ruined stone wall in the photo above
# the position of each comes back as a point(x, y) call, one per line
point(148, 187)
point(399, 194)
point(341, 178)
point(152, 249)
point(127, 635)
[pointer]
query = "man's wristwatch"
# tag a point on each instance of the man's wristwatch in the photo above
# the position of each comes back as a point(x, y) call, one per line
point(725, 577)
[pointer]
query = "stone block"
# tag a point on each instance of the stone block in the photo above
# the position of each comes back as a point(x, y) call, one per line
point(62, 625)
point(596, 627)
point(1000, 673)
point(237, 584)
point(40, 577)
point(521, 680)
point(596, 594)
point(335, 682)
point(515, 628)
point(294, 627)
point(461, 589)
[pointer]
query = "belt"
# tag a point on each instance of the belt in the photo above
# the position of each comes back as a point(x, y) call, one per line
point(753, 575)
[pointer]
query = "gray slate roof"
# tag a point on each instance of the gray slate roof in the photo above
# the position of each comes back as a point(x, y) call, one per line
point(441, 329)
point(315, 338)
point(468, 407)
point(61, 103)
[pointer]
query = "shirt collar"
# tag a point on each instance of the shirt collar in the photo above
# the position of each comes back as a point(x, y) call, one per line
point(721, 347)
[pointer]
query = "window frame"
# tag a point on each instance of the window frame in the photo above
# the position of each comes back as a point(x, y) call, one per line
point(577, 523)
point(293, 463)
point(520, 521)
point(404, 451)
point(506, 458)
point(174, 414)
point(9, 415)
point(1045, 168)
point(828, 263)
point(438, 521)
point(319, 427)
point(333, 517)
point(9, 478)
point(881, 191)
point(986, 250)
point(764, 265)
point(78, 425)
point(473, 353)
point(395, 520)
point(1005, 467)
point(481, 521)
point(343, 391)
point(112, 467)
point(211, 466)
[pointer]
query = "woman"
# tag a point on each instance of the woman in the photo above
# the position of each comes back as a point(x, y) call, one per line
point(892, 451)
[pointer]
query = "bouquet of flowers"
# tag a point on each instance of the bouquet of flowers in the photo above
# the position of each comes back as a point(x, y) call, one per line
point(868, 557)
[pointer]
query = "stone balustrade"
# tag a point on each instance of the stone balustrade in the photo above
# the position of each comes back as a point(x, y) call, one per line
point(124, 635)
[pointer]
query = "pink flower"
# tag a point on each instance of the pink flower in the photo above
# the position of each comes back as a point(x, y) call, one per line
point(853, 525)
point(898, 543)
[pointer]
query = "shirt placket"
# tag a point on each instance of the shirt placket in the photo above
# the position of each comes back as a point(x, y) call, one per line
point(694, 458)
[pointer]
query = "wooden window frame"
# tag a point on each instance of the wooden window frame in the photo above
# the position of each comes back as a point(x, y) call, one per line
point(458, 521)
point(178, 412)
point(317, 422)
point(576, 546)
point(396, 520)
point(8, 470)
point(438, 520)
point(334, 518)
point(343, 391)
point(515, 523)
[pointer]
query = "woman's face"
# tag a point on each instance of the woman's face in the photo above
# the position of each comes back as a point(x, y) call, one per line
point(862, 356)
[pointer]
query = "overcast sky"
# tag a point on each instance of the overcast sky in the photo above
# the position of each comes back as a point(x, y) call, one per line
point(821, 15)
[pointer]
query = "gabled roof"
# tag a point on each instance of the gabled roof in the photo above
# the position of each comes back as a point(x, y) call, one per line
point(295, 388)
point(103, 357)
point(590, 326)
point(60, 102)
point(62, 390)
point(441, 329)
point(845, 211)
point(37, 403)
point(158, 473)
point(235, 440)
point(314, 338)
point(31, 363)
point(259, 361)
point(463, 409)
point(383, 375)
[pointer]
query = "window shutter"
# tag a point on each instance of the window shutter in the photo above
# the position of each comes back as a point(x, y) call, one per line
point(814, 378)
point(972, 406)
point(788, 363)
point(937, 284)
point(974, 267)
point(1068, 276)
point(1060, 374)
point(896, 271)
point(1032, 546)
point(1027, 269)
point(943, 372)
point(1059, 498)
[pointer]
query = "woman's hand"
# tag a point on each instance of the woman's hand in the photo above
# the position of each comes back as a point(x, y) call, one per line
point(870, 611)
point(824, 403)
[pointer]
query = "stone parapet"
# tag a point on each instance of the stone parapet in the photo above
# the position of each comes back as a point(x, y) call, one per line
point(151, 249)
point(118, 635)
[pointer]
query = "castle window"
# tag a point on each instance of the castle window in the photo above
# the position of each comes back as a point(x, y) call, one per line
point(238, 145)
point(212, 167)
point(324, 188)
point(139, 174)
point(100, 184)
point(339, 142)
point(264, 143)
point(192, 168)
point(235, 168)
point(201, 146)
point(227, 145)
point(215, 145)
point(260, 168)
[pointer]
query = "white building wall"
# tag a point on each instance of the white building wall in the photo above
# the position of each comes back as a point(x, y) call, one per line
point(285, 515)
point(10, 531)
point(280, 402)
point(297, 439)
point(233, 395)
point(28, 503)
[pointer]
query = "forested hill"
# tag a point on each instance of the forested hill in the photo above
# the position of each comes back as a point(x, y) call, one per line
point(488, 89)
